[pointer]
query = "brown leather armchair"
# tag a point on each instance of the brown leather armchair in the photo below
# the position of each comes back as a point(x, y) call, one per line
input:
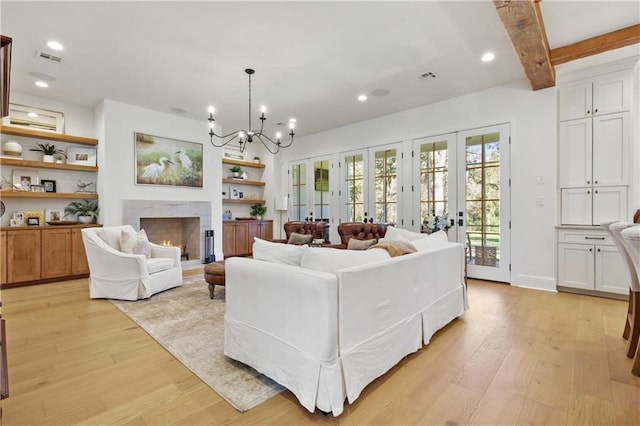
point(319, 230)
point(360, 231)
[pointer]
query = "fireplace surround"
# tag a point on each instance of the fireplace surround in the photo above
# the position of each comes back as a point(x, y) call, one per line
point(195, 219)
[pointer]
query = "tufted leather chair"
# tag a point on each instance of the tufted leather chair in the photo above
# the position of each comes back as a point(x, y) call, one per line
point(318, 229)
point(360, 231)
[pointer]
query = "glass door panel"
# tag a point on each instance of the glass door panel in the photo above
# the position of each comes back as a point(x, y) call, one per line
point(385, 185)
point(298, 173)
point(434, 161)
point(321, 195)
point(353, 186)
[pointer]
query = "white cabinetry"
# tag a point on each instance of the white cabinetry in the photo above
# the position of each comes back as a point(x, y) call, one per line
point(589, 260)
point(606, 94)
point(594, 151)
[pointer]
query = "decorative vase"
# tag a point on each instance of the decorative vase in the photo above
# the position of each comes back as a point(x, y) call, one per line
point(235, 174)
point(85, 219)
point(47, 158)
point(12, 149)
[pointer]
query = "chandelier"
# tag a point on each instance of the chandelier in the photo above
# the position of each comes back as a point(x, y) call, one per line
point(245, 137)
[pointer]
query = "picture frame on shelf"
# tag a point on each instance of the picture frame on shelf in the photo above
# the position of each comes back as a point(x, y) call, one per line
point(165, 161)
point(81, 156)
point(37, 188)
point(38, 214)
point(53, 215)
point(49, 185)
point(232, 152)
point(34, 118)
point(17, 219)
point(33, 221)
point(23, 179)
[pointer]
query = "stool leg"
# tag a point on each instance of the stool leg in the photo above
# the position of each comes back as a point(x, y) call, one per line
point(634, 319)
point(211, 288)
point(627, 323)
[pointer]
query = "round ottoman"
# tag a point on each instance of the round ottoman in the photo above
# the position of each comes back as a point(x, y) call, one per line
point(214, 275)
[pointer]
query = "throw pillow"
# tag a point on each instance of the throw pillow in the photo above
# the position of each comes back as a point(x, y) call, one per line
point(287, 254)
point(330, 259)
point(296, 238)
point(395, 248)
point(394, 233)
point(436, 239)
point(135, 243)
point(354, 244)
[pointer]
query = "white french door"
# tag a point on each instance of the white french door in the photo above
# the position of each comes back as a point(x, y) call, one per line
point(483, 201)
point(354, 186)
point(309, 189)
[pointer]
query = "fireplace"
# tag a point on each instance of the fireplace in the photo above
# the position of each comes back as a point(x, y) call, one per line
point(176, 223)
point(183, 232)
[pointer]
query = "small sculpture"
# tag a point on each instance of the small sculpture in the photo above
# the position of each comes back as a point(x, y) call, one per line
point(83, 187)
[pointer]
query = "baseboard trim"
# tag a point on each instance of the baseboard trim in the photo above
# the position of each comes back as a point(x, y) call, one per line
point(535, 282)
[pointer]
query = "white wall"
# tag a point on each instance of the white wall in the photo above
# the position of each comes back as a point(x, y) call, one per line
point(116, 123)
point(532, 116)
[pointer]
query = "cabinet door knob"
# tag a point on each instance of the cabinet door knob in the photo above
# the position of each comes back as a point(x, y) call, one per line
point(596, 110)
point(596, 191)
point(590, 249)
point(596, 182)
point(588, 192)
point(588, 111)
point(588, 182)
point(598, 250)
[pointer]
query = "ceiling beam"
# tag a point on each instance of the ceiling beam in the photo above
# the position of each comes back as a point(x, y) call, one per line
point(523, 21)
point(594, 45)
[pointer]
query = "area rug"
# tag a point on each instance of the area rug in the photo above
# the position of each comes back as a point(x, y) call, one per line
point(190, 326)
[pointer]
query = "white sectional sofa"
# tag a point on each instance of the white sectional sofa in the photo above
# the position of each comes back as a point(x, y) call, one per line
point(331, 321)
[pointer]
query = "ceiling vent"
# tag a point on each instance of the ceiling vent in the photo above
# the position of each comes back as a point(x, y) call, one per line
point(48, 57)
point(427, 76)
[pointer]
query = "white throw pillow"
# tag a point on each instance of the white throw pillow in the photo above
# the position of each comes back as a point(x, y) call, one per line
point(330, 259)
point(289, 254)
point(135, 243)
point(436, 239)
point(394, 233)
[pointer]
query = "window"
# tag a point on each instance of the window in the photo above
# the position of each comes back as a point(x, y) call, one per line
point(299, 191)
point(386, 186)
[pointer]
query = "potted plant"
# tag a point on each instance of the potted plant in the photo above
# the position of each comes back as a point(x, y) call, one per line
point(256, 159)
point(258, 210)
point(86, 211)
point(48, 150)
point(236, 171)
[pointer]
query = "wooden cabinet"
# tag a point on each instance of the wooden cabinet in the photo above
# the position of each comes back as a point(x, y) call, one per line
point(79, 263)
point(56, 253)
point(589, 260)
point(237, 235)
point(23, 255)
point(44, 253)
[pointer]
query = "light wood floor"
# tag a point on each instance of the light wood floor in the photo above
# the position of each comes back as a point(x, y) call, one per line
point(517, 357)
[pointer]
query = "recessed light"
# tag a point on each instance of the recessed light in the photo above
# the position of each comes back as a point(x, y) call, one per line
point(362, 98)
point(52, 44)
point(32, 114)
point(488, 57)
point(41, 83)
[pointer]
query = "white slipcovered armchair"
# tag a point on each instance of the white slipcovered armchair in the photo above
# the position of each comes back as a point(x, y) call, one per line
point(118, 275)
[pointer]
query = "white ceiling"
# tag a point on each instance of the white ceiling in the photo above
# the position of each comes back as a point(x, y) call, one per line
point(312, 59)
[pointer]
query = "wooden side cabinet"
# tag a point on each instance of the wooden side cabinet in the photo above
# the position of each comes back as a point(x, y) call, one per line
point(56, 253)
point(79, 263)
point(23, 255)
point(237, 235)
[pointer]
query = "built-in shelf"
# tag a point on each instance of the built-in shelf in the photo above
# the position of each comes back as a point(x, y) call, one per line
point(243, 163)
point(50, 136)
point(61, 195)
point(243, 182)
point(242, 201)
point(42, 165)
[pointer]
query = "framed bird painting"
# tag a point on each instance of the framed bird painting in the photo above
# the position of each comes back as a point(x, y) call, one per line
point(169, 162)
